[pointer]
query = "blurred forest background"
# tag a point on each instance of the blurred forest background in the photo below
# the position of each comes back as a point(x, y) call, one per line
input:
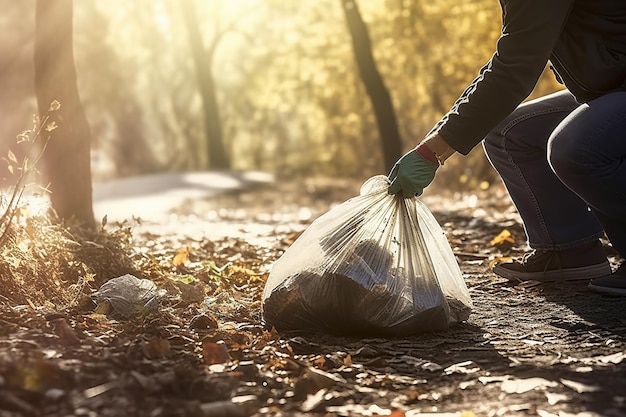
point(287, 91)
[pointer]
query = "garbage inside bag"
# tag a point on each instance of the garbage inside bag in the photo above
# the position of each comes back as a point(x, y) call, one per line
point(376, 265)
point(129, 295)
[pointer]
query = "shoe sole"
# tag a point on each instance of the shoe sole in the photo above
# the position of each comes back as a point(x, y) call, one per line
point(619, 292)
point(567, 274)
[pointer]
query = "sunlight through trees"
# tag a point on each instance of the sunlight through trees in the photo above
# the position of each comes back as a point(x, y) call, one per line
point(286, 96)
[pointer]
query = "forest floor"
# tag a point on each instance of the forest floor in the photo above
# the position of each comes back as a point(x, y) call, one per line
point(526, 350)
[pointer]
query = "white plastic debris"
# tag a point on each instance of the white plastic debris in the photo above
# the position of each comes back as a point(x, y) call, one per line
point(129, 295)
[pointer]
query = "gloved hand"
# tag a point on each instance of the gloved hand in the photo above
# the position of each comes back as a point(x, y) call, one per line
point(411, 174)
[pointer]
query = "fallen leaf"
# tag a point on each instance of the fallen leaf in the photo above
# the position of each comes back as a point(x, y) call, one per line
point(467, 367)
point(499, 259)
point(555, 398)
point(503, 238)
point(533, 342)
point(181, 257)
point(520, 386)
point(156, 348)
point(203, 322)
point(215, 352)
point(615, 358)
point(322, 379)
point(36, 373)
point(319, 361)
point(348, 360)
point(189, 293)
point(313, 401)
point(432, 367)
point(488, 379)
point(466, 384)
point(579, 387)
point(185, 279)
point(62, 329)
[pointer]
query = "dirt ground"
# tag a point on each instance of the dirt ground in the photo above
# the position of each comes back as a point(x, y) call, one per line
point(527, 349)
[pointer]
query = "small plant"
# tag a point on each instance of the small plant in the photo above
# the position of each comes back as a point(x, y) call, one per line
point(47, 263)
point(35, 143)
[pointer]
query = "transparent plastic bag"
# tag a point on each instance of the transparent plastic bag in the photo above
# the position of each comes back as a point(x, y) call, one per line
point(376, 265)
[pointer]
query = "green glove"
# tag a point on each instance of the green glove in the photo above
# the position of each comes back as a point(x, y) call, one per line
point(411, 174)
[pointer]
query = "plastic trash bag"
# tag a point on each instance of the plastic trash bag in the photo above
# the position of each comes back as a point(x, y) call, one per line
point(376, 265)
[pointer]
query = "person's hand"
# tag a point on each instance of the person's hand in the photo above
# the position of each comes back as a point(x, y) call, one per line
point(411, 174)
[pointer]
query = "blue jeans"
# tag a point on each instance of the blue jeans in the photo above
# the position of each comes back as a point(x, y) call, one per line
point(564, 166)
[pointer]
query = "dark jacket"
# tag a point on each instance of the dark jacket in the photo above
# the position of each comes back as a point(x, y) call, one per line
point(584, 40)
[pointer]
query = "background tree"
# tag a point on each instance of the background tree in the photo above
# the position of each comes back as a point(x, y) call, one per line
point(289, 93)
point(67, 155)
point(379, 95)
point(118, 128)
point(203, 59)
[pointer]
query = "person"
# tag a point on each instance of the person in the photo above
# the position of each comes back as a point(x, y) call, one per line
point(562, 157)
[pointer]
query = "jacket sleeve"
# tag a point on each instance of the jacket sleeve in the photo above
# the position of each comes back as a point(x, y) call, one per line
point(530, 30)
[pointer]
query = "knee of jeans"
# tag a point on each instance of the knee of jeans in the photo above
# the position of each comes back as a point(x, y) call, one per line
point(565, 158)
point(492, 143)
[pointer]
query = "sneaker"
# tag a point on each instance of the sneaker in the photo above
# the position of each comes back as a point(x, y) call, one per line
point(585, 262)
point(612, 284)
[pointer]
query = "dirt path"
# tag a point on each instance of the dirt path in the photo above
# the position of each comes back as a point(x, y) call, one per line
point(526, 350)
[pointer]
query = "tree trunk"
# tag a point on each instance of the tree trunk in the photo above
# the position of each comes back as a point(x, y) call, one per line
point(391, 141)
point(217, 158)
point(66, 159)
